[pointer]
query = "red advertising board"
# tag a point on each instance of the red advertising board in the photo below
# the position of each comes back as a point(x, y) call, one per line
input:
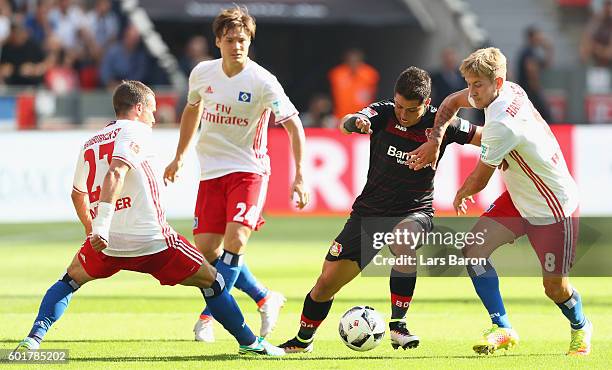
point(336, 166)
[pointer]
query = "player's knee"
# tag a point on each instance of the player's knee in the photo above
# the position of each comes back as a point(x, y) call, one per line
point(475, 250)
point(76, 273)
point(470, 251)
point(236, 242)
point(215, 288)
point(205, 276)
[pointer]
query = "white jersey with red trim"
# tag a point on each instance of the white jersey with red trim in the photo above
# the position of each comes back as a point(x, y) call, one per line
point(538, 180)
point(139, 224)
point(237, 110)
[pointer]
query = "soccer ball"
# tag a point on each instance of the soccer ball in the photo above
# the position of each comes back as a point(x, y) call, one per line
point(361, 328)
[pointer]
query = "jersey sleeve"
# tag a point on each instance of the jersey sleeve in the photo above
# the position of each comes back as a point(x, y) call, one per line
point(193, 95)
point(376, 113)
point(497, 141)
point(129, 147)
point(79, 183)
point(460, 131)
point(274, 97)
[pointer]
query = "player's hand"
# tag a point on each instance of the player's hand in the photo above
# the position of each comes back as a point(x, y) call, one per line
point(298, 189)
point(364, 125)
point(460, 204)
point(98, 243)
point(171, 172)
point(426, 154)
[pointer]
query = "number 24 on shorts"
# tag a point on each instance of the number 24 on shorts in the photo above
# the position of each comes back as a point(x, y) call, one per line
point(250, 217)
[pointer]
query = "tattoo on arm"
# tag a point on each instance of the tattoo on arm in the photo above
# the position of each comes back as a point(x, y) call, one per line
point(442, 120)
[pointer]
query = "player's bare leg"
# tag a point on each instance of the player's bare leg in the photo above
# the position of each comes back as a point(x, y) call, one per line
point(486, 283)
point(560, 291)
point(318, 302)
point(210, 245)
point(54, 303)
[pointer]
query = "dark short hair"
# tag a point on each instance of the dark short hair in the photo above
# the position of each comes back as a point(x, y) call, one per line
point(236, 17)
point(414, 84)
point(128, 94)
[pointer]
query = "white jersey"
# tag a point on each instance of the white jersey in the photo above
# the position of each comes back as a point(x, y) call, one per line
point(139, 224)
point(539, 183)
point(237, 110)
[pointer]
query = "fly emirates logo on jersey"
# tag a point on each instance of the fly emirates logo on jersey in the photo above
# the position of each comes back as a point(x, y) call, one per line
point(222, 115)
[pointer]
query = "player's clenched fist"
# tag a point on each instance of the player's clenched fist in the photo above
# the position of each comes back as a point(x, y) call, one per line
point(364, 125)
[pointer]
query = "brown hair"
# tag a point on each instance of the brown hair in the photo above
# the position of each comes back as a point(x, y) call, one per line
point(236, 17)
point(128, 94)
point(414, 84)
point(488, 62)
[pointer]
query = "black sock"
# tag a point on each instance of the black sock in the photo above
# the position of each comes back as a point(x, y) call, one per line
point(313, 314)
point(402, 288)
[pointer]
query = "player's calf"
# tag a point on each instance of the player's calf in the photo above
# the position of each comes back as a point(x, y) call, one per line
point(557, 288)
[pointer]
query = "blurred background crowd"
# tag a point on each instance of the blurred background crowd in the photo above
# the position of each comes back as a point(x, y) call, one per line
point(59, 59)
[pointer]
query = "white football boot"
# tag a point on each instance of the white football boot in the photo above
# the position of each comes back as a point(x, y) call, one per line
point(270, 311)
point(203, 330)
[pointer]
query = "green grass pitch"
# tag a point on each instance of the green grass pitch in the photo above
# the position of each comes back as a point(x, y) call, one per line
point(130, 321)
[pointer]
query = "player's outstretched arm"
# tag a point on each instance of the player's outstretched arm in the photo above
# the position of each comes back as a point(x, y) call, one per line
point(355, 123)
point(297, 138)
point(190, 120)
point(80, 201)
point(475, 182)
point(111, 188)
point(428, 152)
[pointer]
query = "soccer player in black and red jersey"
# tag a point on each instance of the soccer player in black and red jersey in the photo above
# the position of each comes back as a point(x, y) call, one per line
point(394, 198)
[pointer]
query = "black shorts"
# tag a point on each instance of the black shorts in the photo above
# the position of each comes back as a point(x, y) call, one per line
point(356, 240)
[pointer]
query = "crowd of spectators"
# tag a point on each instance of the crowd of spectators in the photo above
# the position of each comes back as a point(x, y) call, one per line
point(68, 45)
point(73, 45)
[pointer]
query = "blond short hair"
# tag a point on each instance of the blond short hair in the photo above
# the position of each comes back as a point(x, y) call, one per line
point(487, 62)
point(236, 17)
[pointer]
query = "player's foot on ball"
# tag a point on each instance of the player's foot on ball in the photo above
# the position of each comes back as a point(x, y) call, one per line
point(203, 330)
point(496, 338)
point(270, 311)
point(295, 345)
point(401, 337)
point(580, 344)
point(261, 348)
point(27, 345)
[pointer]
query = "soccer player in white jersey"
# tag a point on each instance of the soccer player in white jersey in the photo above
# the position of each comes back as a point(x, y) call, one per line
point(233, 98)
point(541, 200)
point(118, 199)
